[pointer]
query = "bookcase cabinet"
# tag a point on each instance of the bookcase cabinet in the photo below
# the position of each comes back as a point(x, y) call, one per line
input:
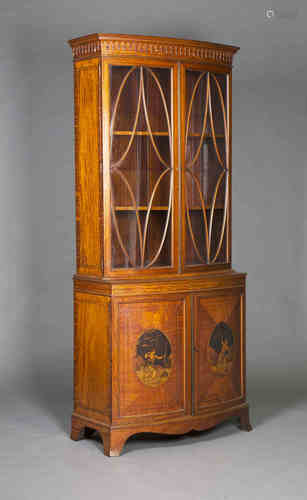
point(159, 313)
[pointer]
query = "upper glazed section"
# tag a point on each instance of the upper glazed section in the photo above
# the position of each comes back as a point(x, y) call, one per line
point(158, 47)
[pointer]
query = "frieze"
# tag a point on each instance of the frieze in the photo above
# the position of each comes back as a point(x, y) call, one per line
point(106, 47)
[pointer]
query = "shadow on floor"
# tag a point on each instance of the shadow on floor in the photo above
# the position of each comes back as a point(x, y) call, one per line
point(52, 392)
point(272, 393)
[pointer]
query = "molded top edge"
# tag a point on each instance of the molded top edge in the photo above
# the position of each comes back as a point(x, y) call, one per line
point(149, 38)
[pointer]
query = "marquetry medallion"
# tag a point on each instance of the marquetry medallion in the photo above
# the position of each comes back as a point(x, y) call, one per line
point(220, 350)
point(153, 358)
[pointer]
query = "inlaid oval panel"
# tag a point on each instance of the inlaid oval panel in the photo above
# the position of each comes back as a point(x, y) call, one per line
point(153, 358)
point(220, 350)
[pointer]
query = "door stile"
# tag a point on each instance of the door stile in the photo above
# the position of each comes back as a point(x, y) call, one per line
point(106, 166)
point(179, 173)
point(229, 208)
point(193, 351)
point(182, 161)
point(188, 379)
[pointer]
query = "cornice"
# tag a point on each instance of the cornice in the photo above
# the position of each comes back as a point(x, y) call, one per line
point(136, 45)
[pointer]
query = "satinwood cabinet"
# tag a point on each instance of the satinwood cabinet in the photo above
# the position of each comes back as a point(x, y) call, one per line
point(159, 314)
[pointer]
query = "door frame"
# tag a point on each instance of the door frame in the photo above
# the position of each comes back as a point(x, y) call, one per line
point(184, 66)
point(107, 216)
point(185, 366)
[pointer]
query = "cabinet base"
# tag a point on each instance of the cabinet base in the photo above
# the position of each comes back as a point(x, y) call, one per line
point(114, 438)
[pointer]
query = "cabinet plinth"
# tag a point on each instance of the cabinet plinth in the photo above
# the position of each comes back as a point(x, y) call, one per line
point(159, 314)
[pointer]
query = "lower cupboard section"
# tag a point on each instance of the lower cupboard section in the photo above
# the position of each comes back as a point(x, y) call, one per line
point(160, 363)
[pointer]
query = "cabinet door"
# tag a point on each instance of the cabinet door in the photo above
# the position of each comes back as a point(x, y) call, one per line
point(149, 357)
point(139, 158)
point(206, 136)
point(218, 350)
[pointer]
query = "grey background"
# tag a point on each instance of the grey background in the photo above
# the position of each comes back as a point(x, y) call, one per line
point(37, 459)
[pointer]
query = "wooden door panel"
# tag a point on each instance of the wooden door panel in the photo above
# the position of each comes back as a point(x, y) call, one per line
point(150, 343)
point(140, 140)
point(218, 349)
point(205, 150)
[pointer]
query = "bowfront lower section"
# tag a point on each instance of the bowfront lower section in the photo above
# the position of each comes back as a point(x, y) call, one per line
point(149, 358)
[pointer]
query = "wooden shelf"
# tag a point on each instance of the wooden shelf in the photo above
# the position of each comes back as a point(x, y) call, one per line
point(140, 208)
point(210, 137)
point(194, 209)
point(165, 134)
point(161, 208)
point(139, 132)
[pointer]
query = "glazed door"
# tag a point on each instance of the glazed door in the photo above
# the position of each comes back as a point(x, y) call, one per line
point(205, 139)
point(151, 358)
point(140, 179)
point(218, 350)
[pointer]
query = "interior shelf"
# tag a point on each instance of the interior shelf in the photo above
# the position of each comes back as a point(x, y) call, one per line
point(208, 207)
point(138, 132)
point(146, 133)
point(140, 208)
point(195, 134)
point(164, 208)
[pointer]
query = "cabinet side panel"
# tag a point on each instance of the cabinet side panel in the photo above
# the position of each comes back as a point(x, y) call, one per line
point(92, 356)
point(88, 213)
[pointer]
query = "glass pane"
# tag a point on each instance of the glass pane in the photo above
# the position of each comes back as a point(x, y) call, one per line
point(141, 166)
point(206, 167)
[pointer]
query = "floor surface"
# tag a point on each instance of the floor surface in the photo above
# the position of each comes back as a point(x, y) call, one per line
point(39, 461)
